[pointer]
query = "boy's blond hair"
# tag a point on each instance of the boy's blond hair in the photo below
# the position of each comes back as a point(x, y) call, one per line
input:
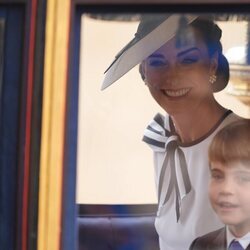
point(231, 143)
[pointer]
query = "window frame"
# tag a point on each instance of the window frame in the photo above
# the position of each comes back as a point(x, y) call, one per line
point(70, 210)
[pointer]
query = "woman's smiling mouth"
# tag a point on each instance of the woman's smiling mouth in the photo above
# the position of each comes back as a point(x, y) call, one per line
point(176, 93)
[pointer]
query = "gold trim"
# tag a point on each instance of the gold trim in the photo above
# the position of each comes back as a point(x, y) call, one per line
point(54, 100)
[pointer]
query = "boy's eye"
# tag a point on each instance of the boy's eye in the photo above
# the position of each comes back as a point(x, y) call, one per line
point(216, 176)
point(243, 178)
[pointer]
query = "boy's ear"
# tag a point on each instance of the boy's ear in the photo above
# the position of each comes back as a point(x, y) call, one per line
point(214, 63)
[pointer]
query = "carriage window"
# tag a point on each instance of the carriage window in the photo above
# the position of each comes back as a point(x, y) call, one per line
point(114, 166)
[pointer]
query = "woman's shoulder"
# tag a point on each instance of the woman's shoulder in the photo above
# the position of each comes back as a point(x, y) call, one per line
point(162, 120)
point(233, 116)
point(229, 117)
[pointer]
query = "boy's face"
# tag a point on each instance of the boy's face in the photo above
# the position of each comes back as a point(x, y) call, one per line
point(229, 193)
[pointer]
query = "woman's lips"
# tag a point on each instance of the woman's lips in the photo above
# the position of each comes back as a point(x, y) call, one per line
point(176, 93)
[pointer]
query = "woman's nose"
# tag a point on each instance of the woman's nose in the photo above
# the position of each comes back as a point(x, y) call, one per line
point(167, 78)
point(171, 74)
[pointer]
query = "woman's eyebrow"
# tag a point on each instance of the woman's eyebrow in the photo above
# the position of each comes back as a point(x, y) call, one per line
point(156, 56)
point(187, 51)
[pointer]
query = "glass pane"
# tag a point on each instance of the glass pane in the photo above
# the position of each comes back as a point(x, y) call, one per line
point(112, 158)
point(114, 166)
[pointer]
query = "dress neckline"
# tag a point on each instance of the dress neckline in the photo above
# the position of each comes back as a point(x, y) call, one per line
point(206, 135)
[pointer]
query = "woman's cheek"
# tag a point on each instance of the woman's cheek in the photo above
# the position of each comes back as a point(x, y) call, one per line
point(155, 82)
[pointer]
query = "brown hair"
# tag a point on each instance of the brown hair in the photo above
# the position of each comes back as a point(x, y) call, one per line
point(231, 143)
point(211, 34)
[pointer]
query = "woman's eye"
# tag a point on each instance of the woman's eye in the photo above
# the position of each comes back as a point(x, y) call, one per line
point(189, 60)
point(156, 63)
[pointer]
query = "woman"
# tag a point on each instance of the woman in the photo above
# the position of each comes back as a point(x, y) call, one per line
point(182, 75)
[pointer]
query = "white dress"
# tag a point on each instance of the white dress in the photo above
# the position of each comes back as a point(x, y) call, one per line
point(191, 206)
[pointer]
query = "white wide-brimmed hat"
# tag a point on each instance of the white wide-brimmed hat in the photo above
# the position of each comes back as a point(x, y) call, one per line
point(152, 33)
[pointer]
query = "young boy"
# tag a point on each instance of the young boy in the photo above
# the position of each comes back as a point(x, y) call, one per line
point(229, 189)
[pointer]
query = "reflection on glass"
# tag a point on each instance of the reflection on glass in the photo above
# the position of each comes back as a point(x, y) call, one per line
point(114, 165)
point(111, 156)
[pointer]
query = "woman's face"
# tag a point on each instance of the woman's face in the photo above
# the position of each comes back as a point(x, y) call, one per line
point(178, 78)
